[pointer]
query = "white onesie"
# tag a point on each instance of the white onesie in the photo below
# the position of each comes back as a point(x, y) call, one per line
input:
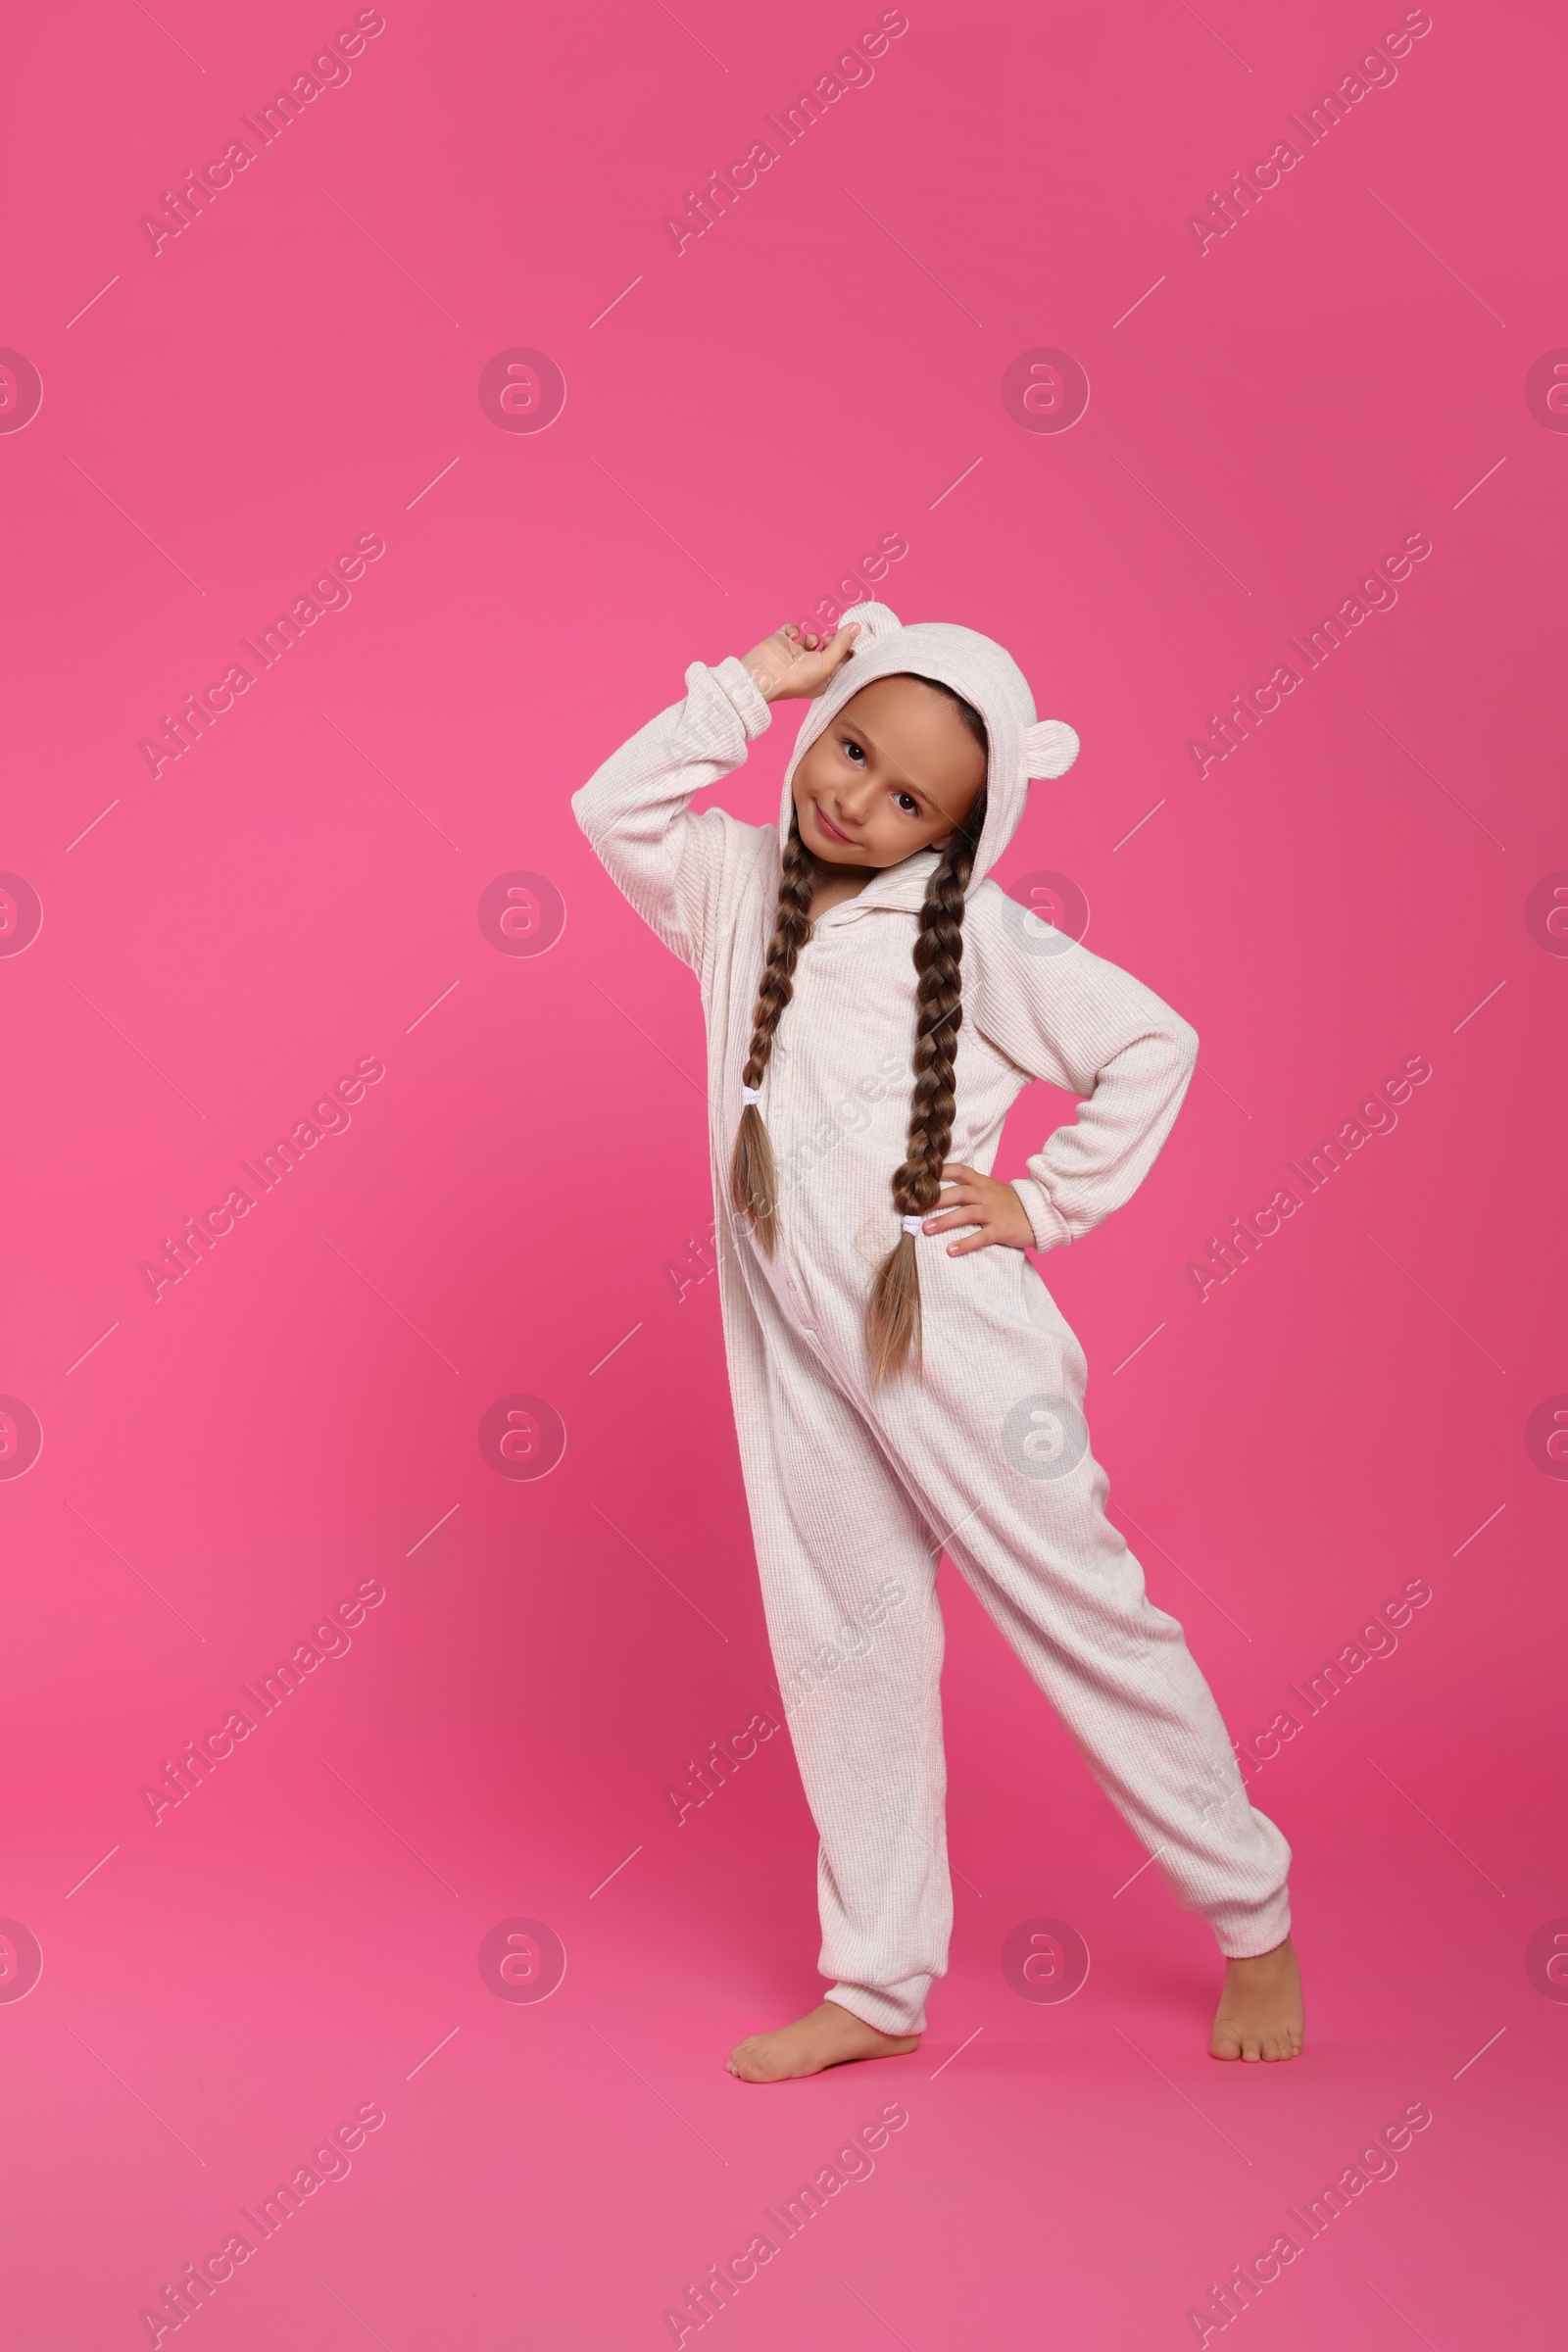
point(854, 1493)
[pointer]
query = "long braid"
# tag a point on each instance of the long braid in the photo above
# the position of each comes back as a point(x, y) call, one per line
point(753, 1175)
point(893, 1324)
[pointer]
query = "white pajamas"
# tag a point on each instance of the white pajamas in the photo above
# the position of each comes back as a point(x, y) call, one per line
point(854, 1493)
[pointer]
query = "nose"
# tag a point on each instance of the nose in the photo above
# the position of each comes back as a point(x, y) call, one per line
point(857, 799)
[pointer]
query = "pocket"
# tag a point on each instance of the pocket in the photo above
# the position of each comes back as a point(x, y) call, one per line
point(1055, 1340)
point(1023, 1281)
point(1000, 1277)
point(1036, 1306)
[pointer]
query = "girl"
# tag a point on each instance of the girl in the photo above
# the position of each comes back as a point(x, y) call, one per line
point(902, 1381)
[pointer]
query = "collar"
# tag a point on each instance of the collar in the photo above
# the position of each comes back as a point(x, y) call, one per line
point(901, 887)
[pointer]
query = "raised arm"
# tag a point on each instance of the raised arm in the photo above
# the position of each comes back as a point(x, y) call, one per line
point(1095, 1031)
point(671, 863)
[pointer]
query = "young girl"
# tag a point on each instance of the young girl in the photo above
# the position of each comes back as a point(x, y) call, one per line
point(902, 1381)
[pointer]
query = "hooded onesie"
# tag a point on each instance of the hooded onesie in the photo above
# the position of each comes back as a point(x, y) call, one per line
point(855, 1492)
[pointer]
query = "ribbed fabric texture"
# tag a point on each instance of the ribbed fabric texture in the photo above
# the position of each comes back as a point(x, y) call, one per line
point(854, 1494)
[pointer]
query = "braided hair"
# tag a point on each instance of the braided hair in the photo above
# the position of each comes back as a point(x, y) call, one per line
point(893, 1309)
point(893, 1325)
point(753, 1175)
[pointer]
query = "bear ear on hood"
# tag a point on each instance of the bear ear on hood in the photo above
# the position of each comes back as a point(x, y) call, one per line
point(876, 620)
point(1049, 748)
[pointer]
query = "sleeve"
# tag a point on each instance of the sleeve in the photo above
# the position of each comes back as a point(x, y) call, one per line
point(1092, 1030)
point(671, 863)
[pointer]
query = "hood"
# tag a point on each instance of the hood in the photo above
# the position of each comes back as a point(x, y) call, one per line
point(986, 674)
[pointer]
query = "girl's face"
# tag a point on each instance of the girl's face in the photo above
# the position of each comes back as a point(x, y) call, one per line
point(895, 772)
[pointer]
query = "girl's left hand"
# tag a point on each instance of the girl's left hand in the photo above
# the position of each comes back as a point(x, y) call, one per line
point(971, 1199)
point(796, 662)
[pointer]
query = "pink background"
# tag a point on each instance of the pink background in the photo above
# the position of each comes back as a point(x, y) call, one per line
point(743, 422)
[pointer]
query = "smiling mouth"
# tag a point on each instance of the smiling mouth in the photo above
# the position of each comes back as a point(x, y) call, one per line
point(832, 831)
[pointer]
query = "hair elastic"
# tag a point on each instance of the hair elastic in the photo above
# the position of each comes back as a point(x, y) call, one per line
point(749, 1094)
point(911, 1224)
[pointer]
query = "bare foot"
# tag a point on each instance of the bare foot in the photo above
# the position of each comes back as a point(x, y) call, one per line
point(829, 2036)
point(1260, 2014)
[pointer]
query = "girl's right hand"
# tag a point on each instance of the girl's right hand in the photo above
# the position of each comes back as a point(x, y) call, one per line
point(798, 661)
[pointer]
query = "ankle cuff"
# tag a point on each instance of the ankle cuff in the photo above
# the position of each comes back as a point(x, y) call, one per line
point(1249, 1939)
point(879, 2009)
